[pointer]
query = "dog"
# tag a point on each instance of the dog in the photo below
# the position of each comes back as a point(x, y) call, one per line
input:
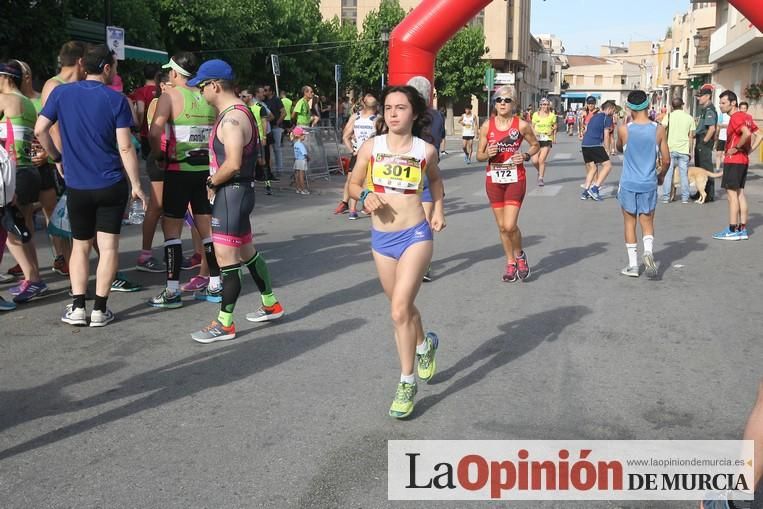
point(697, 178)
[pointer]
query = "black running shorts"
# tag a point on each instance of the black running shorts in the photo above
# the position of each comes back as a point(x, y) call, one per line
point(97, 210)
point(734, 176)
point(595, 155)
point(230, 214)
point(27, 185)
point(182, 188)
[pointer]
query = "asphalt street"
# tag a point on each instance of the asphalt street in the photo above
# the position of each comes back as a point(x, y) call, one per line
point(294, 414)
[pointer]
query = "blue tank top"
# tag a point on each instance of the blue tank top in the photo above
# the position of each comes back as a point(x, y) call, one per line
point(640, 161)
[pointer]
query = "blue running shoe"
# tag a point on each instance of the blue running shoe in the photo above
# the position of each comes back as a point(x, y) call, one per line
point(6, 306)
point(743, 234)
point(209, 294)
point(727, 234)
point(593, 192)
point(33, 290)
point(584, 194)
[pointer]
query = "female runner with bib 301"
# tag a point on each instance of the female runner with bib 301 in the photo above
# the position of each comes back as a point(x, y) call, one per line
point(500, 139)
point(387, 181)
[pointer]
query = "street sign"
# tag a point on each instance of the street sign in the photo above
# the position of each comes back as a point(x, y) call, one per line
point(490, 78)
point(115, 39)
point(337, 73)
point(504, 78)
point(276, 65)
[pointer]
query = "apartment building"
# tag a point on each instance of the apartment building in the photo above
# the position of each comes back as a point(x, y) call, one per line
point(603, 78)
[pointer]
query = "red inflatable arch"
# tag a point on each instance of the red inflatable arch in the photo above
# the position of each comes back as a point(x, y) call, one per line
point(414, 43)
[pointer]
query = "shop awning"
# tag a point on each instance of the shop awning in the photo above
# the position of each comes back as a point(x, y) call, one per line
point(580, 95)
point(146, 55)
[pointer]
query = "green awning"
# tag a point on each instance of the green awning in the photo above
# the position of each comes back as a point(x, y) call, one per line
point(93, 31)
point(146, 55)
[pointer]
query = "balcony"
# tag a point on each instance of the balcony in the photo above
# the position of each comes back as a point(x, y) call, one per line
point(724, 49)
point(718, 39)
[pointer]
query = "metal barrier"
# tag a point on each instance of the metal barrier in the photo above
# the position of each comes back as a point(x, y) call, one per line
point(324, 149)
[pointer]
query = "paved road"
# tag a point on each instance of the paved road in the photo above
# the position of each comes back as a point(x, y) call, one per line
point(293, 414)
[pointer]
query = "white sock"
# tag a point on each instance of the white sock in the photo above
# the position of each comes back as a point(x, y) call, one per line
point(214, 282)
point(409, 379)
point(173, 286)
point(648, 243)
point(422, 348)
point(632, 255)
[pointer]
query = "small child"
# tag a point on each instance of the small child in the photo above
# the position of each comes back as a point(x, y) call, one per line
point(300, 159)
point(645, 141)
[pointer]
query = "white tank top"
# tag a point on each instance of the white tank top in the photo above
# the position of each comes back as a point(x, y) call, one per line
point(363, 129)
point(397, 173)
point(468, 125)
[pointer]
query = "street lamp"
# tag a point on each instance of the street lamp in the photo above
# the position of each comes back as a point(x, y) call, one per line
point(697, 40)
point(384, 36)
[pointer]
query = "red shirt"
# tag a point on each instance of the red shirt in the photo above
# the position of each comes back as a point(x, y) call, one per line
point(739, 120)
point(144, 94)
point(508, 143)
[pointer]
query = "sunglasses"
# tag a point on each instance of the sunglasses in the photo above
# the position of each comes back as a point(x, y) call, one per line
point(499, 100)
point(204, 84)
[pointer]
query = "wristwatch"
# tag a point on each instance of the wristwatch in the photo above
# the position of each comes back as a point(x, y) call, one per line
point(210, 185)
point(57, 159)
point(527, 156)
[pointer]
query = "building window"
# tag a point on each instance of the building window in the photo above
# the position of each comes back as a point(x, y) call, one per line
point(598, 79)
point(478, 20)
point(675, 59)
point(349, 12)
point(544, 70)
point(579, 79)
point(757, 72)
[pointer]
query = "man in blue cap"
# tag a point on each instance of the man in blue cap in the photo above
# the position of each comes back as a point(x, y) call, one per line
point(234, 151)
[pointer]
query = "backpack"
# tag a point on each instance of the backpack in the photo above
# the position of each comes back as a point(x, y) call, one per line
point(7, 177)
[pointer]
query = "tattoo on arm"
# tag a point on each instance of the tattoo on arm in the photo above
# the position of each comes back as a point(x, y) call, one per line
point(231, 121)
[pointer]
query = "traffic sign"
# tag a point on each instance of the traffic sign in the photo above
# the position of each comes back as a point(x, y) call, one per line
point(115, 39)
point(504, 78)
point(490, 78)
point(276, 65)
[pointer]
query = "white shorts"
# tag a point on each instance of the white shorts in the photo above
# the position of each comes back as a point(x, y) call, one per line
point(300, 164)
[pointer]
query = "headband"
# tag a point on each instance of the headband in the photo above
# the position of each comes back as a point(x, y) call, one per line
point(176, 67)
point(638, 107)
point(9, 71)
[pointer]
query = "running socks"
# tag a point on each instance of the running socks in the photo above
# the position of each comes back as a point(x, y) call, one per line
point(632, 255)
point(422, 348)
point(173, 252)
point(100, 303)
point(79, 301)
point(648, 243)
point(231, 290)
point(409, 379)
point(214, 268)
point(259, 270)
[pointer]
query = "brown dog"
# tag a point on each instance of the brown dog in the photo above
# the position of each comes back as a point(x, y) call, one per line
point(697, 176)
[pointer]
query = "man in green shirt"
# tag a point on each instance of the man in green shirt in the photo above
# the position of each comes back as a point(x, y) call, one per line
point(705, 136)
point(302, 114)
point(680, 126)
point(287, 104)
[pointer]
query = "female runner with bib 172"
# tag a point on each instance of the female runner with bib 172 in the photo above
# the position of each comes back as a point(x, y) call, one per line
point(501, 137)
point(387, 181)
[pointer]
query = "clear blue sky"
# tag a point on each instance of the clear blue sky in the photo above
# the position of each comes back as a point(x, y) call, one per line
point(584, 25)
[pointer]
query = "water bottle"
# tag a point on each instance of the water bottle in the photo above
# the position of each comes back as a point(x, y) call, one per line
point(137, 214)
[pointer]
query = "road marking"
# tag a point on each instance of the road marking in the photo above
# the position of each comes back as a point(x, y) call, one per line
point(561, 156)
point(547, 191)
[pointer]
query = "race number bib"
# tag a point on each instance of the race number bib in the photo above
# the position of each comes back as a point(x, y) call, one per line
point(199, 134)
point(396, 172)
point(543, 137)
point(504, 173)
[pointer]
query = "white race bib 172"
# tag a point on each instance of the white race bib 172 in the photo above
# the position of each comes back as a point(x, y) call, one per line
point(504, 173)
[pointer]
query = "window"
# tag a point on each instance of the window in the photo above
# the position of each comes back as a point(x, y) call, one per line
point(478, 20)
point(349, 11)
point(544, 70)
point(598, 79)
point(675, 59)
point(757, 72)
point(579, 79)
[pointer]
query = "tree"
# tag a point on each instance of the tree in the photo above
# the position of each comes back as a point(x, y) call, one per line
point(460, 70)
point(33, 32)
point(367, 58)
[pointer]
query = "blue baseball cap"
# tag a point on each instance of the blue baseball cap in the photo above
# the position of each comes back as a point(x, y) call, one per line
point(212, 70)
